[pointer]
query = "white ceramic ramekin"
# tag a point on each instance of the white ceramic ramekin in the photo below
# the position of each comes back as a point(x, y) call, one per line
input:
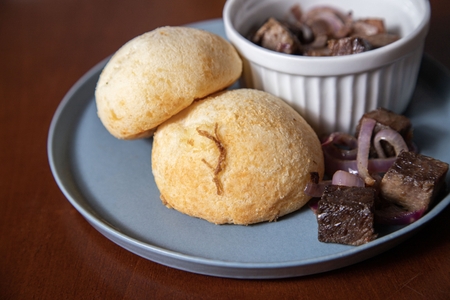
point(332, 93)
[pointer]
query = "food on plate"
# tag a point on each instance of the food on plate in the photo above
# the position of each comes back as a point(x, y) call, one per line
point(322, 31)
point(157, 74)
point(381, 157)
point(240, 156)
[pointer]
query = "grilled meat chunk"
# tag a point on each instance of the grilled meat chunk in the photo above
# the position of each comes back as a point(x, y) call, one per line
point(413, 181)
point(346, 215)
point(347, 46)
point(276, 36)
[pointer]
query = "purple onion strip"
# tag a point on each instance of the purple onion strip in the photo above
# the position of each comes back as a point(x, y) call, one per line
point(347, 179)
point(315, 190)
point(375, 165)
point(362, 156)
point(341, 145)
point(392, 137)
point(314, 205)
point(393, 215)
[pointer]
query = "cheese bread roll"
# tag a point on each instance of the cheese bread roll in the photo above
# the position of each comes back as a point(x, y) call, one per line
point(157, 74)
point(240, 156)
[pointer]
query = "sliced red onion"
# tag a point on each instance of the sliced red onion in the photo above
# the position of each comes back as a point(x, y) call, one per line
point(342, 139)
point(314, 205)
point(380, 165)
point(341, 145)
point(394, 215)
point(393, 138)
point(347, 179)
point(333, 164)
point(338, 22)
point(362, 156)
point(314, 189)
point(375, 165)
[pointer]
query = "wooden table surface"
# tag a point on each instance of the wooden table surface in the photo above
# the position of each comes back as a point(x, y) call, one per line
point(49, 251)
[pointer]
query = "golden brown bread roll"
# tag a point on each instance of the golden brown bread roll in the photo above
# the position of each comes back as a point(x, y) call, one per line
point(159, 73)
point(240, 156)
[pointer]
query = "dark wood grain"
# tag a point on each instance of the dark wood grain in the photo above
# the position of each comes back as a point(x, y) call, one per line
point(47, 249)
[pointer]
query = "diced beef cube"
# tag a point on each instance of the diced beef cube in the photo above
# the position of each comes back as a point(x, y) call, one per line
point(347, 46)
point(413, 181)
point(275, 36)
point(346, 215)
point(388, 119)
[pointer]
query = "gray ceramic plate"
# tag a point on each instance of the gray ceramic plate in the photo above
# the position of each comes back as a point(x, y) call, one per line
point(110, 183)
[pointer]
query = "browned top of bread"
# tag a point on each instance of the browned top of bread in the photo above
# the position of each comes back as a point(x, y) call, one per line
point(157, 74)
point(241, 156)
